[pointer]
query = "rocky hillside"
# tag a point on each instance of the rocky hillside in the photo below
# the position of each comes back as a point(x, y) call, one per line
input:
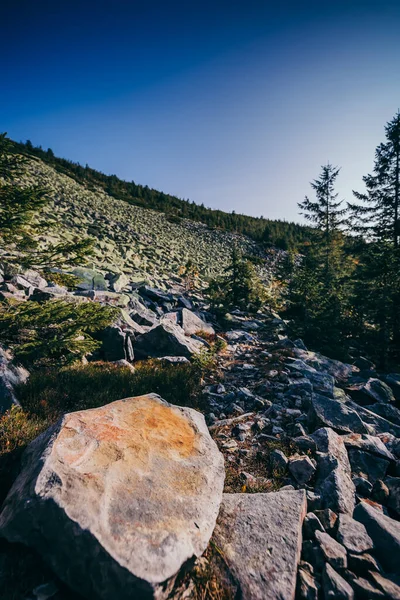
point(129, 239)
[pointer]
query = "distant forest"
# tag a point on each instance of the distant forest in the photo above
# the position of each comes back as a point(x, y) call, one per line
point(282, 234)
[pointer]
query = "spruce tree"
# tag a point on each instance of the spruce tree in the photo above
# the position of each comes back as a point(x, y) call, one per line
point(376, 217)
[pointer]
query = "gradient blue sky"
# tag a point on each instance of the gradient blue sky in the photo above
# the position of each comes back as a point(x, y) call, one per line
point(232, 103)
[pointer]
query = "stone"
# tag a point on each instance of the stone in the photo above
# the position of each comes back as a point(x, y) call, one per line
point(393, 380)
point(302, 469)
point(307, 586)
point(114, 344)
point(337, 415)
point(165, 339)
point(132, 490)
point(362, 563)
point(191, 323)
point(393, 485)
point(118, 282)
point(384, 532)
point(334, 586)
point(387, 411)
point(364, 588)
point(259, 536)
point(278, 460)
point(154, 294)
point(363, 486)
point(353, 535)
point(376, 424)
point(367, 465)
point(334, 482)
point(368, 443)
point(89, 279)
point(34, 279)
point(311, 525)
point(335, 368)
point(388, 584)
point(333, 552)
point(327, 517)
point(10, 376)
point(375, 390)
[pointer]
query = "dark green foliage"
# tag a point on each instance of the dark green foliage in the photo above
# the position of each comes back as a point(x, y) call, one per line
point(315, 290)
point(239, 286)
point(283, 234)
point(53, 331)
point(376, 296)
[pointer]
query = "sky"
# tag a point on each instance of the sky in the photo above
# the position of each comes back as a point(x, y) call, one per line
point(232, 103)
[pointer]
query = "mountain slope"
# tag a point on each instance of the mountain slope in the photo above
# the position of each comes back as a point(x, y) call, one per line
point(131, 239)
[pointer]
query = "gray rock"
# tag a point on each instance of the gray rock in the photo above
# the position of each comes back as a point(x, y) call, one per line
point(393, 485)
point(393, 380)
point(335, 368)
point(328, 518)
point(259, 536)
point(363, 486)
point(334, 586)
point(278, 460)
point(307, 585)
point(334, 481)
point(387, 411)
point(362, 563)
point(89, 279)
point(364, 588)
point(337, 415)
point(384, 532)
point(302, 469)
point(367, 465)
point(114, 345)
point(353, 535)
point(376, 424)
point(333, 552)
point(388, 584)
point(368, 443)
point(374, 390)
point(165, 340)
point(311, 525)
point(10, 376)
point(132, 490)
point(191, 323)
point(118, 282)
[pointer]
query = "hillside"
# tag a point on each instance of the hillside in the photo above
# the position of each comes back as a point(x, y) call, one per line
point(280, 233)
point(130, 239)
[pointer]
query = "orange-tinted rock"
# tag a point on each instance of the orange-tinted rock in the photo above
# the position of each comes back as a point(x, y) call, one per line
point(118, 498)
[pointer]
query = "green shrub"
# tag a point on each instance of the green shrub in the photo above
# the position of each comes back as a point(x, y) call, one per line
point(53, 331)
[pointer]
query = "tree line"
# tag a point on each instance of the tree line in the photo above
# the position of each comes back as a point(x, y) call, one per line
point(342, 294)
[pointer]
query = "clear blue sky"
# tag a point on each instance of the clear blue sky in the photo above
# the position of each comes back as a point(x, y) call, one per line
point(234, 103)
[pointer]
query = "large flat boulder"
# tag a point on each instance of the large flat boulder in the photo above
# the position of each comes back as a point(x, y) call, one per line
point(260, 538)
point(335, 414)
point(165, 339)
point(191, 323)
point(117, 499)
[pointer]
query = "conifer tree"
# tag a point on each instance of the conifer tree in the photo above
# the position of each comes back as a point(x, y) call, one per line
point(376, 216)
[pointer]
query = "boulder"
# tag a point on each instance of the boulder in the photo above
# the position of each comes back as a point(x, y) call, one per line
point(335, 368)
point(165, 339)
point(385, 534)
point(367, 465)
point(337, 415)
point(393, 485)
point(334, 586)
point(116, 344)
point(376, 424)
point(158, 296)
point(374, 390)
point(302, 469)
point(353, 535)
point(393, 380)
point(191, 323)
point(333, 552)
point(89, 279)
point(10, 376)
point(368, 443)
point(334, 481)
point(117, 499)
point(259, 536)
point(118, 282)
